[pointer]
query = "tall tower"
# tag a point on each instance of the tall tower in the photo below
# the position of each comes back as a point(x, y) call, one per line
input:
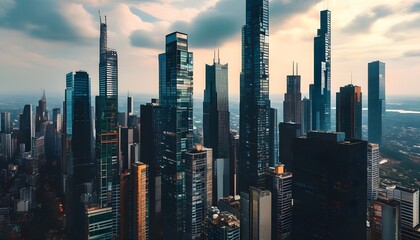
point(306, 115)
point(373, 159)
point(254, 133)
point(5, 122)
point(175, 95)
point(107, 129)
point(140, 201)
point(41, 116)
point(349, 111)
point(216, 120)
point(26, 127)
point(292, 98)
point(321, 89)
point(376, 100)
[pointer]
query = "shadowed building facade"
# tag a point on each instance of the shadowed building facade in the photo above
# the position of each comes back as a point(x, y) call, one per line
point(376, 100)
point(349, 111)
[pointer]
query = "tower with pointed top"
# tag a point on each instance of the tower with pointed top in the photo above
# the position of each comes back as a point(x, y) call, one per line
point(254, 123)
point(321, 89)
point(292, 98)
point(41, 115)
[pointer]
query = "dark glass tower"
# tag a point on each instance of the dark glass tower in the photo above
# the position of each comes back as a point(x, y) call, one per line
point(41, 116)
point(349, 111)
point(376, 100)
point(287, 133)
point(5, 123)
point(26, 128)
point(175, 93)
point(216, 119)
point(107, 129)
point(321, 90)
point(292, 98)
point(329, 187)
point(274, 138)
point(254, 133)
point(306, 115)
point(151, 154)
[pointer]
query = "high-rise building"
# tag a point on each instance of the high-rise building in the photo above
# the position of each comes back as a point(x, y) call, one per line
point(329, 187)
point(125, 140)
point(198, 190)
point(106, 126)
point(409, 199)
point(287, 133)
point(140, 201)
point(98, 223)
point(126, 205)
point(41, 115)
point(5, 123)
point(306, 116)
point(245, 216)
point(280, 186)
point(385, 220)
point(260, 213)
point(175, 96)
point(6, 146)
point(216, 123)
point(274, 138)
point(321, 89)
point(376, 100)
point(234, 155)
point(221, 226)
point(151, 154)
point(373, 159)
point(292, 98)
point(130, 106)
point(254, 122)
point(26, 127)
point(349, 111)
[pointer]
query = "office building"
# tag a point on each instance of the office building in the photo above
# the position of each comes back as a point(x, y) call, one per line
point(321, 89)
point(280, 186)
point(292, 98)
point(245, 216)
point(287, 133)
point(140, 201)
point(99, 223)
point(385, 220)
point(260, 214)
point(349, 111)
point(376, 100)
point(306, 116)
point(329, 187)
point(221, 225)
point(5, 122)
point(409, 199)
point(41, 115)
point(151, 154)
point(6, 146)
point(26, 127)
point(175, 96)
point(198, 189)
point(254, 110)
point(130, 106)
point(373, 159)
point(274, 138)
point(126, 205)
point(234, 155)
point(125, 140)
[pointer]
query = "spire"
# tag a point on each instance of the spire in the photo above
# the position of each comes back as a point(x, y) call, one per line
point(214, 55)
point(297, 68)
point(43, 96)
point(293, 66)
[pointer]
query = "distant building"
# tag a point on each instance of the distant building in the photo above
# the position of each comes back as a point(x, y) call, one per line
point(292, 98)
point(41, 115)
point(329, 187)
point(5, 122)
point(280, 186)
point(287, 133)
point(376, 100)
point(274, 138)
point(126, 138)
point(373, 159)
point(130, 106)
point(306, 116)
point(385, 220)
point(221, 226)
point(349, 111)
point(26, 128)
point(234, 154)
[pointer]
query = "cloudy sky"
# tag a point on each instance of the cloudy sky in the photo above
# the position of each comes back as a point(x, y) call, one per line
point(43, 40)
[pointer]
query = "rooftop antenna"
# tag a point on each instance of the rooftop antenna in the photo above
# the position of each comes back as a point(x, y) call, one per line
point(214, 55)
point(105, 19)
point(100, 18)
point(297, 68)
point(293, 68)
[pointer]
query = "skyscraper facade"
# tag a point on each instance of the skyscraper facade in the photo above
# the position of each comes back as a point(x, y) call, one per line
point(260, 213)
point(26, 127)
point(41, 115)
point(130, 106)
point(106, 126)
point(373, 159)
point(376, 100)
point(140, 201)
point(409, 199)
point(292, 98)
point(221, 226)
point(287, 133)
point(175, 95)
point(306, 116)
point(321, 89)
point(274, 138)
point(5, 123)
point(385, 220)
point(349, 111)
point(329, 187)
point(280, 186)
point(254, 134)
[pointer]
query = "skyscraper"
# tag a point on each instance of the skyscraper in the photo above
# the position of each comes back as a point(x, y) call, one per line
point(287, 133)
point(306, 116)
point(106, 126)
point(349, 111)
point(26, 127)
point(260, 213)
point(376, 100)
point(175, 95)
point(274, 138)
point(140, 201)
point(329, 187)
point(130, 106)
point(216, 121)
point(5, 123)
point(198, 190)
point(221, 226)
point(254, 133)
point(385, 220)
point(151, 154)
point(373, 159)
point(409, 199)
point(321, 89)
point(292, 98)
point(41, 115)
point(280, 185)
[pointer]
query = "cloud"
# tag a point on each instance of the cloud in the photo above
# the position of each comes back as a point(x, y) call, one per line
point(223, 21)
point(363, 22)
point(41, 19)
point(143, 15)
point(145, 39)
point(415, 7)
point(414, 53)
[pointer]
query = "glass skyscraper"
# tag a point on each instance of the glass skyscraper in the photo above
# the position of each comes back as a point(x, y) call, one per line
point(349, 111)
point(175, 95)
point(254, 123)
point(376, 100)
point(321, 89)
point(292, 98)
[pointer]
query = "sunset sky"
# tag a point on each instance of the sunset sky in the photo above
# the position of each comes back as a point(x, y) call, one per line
point(43, 40)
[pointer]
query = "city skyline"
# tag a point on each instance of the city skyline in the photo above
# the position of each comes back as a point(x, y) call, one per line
point(43, 52)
